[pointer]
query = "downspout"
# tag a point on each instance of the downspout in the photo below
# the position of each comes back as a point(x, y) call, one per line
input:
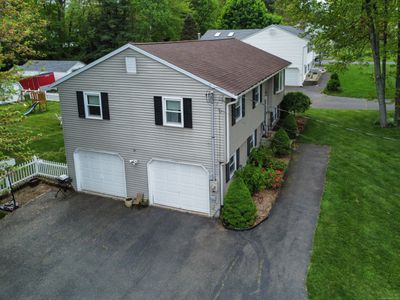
point(227, 150)
point(210, 99)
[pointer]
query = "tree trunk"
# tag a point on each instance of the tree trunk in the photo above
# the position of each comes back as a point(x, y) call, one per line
point(375, 47)
point(397, 96)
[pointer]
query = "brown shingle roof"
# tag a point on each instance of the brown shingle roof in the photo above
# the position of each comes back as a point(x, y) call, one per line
point(229, 64)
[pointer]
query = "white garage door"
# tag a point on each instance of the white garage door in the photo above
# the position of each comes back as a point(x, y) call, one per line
point(292, 77)
point(99, 172)
point(179, 185)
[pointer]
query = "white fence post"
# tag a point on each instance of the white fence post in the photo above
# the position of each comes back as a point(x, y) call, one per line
point(35, 165)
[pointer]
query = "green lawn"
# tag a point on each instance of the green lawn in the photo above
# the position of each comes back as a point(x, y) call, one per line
point(48, 141)
point(358, 81)
point(356, 252)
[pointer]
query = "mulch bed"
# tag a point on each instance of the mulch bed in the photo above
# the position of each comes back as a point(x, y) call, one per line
point(28, 193)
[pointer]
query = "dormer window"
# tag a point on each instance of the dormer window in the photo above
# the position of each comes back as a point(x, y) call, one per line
point(231, 33)
point(217, 33)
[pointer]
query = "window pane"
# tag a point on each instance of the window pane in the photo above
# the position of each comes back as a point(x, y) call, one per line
point(238, 108)
point(93, 100)
point(94, 110)
point(232, 165)
point(174, 117)
point(173, 105)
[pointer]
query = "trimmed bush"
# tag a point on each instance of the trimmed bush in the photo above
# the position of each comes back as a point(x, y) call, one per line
point(335, 76)
point(260, 156)
point(290, 125)
point(280, 144)
point(253, 177)
point(277, 165)
point(239, 209)
point(333, 85)
point(273, 179)
point(295, 102)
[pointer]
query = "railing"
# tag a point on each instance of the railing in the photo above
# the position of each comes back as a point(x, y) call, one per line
point(35, 168)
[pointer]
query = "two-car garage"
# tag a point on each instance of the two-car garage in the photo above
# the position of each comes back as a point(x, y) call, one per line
point(170, 184)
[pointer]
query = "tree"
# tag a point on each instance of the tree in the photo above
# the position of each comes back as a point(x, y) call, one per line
point(295, 102)
point(247, 14)
point(206, 13)
point(397, 96)
point(21, 32)
point(159, 20)
point(190, 28)
point(346, 30)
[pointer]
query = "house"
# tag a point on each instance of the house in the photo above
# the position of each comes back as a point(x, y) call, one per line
point(287, 42)
point(55, 68)
point(172, 120)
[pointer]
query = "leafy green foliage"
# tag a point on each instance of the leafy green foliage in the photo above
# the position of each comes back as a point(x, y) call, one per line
point(280, 143)
point(333, 85)
point(335, 76)
point(260, 156)
point(247, 14)
point(295, 102)
point(290, 125)
point(239, 209)
point(253, 176)
point(206, 13)
point(190, 28)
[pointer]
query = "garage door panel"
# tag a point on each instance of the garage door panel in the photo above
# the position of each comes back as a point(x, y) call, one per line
point(180, 186)
point(101, 173)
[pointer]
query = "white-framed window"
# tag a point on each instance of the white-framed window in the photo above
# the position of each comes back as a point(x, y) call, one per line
point(130, 63)
point(232, 165)
point(257, 95)
point(93, 109)
point(279, 82)
point(238, 109)
point(173, 111)
point(309, 48)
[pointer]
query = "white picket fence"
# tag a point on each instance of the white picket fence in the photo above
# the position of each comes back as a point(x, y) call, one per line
point(35, 168)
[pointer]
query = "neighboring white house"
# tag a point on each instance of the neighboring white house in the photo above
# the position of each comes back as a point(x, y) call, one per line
point(286, 42)
point(59, 68)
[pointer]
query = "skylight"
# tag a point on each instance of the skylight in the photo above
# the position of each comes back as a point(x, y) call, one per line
point(231, 33)
point(217, 34)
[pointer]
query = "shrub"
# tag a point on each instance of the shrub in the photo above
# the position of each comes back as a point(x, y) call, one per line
point(277, 165)
point(239, 209)
point(280, 144)
point(260, 156)
point(290, 125)
point(253, 177)
point(295, 102)
point(273, 178)
point(333, 85)
point(335, 76)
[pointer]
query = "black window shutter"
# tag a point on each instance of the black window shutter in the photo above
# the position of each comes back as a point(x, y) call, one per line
point(254, 98)
point(237, 158)
point(261, 93)
point(248, 145)
point(255, 138)
point(233, 113)
point(104, 106)
point(158, 115)
point(227, 177)
point(81, 104)
point(187, 113)
point(243, 106)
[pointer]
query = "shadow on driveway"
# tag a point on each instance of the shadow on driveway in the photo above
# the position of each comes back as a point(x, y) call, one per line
point(90, 247)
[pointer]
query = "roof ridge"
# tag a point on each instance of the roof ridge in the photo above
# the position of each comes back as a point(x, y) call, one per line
point(183, 42)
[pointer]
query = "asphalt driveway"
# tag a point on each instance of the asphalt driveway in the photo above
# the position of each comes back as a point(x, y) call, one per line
point(88, 247)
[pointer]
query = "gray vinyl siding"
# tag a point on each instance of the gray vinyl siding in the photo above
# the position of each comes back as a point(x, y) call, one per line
point(131, 131)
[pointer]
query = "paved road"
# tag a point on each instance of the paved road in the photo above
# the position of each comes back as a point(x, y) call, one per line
point(88, 247)
point(321, 100)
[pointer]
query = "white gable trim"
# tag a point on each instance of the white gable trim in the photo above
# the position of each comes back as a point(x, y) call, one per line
point(276, 27)
point(156, 58)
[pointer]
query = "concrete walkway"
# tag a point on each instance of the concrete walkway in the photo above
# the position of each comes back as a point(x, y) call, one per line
point(89, 247)
point(321, 100)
